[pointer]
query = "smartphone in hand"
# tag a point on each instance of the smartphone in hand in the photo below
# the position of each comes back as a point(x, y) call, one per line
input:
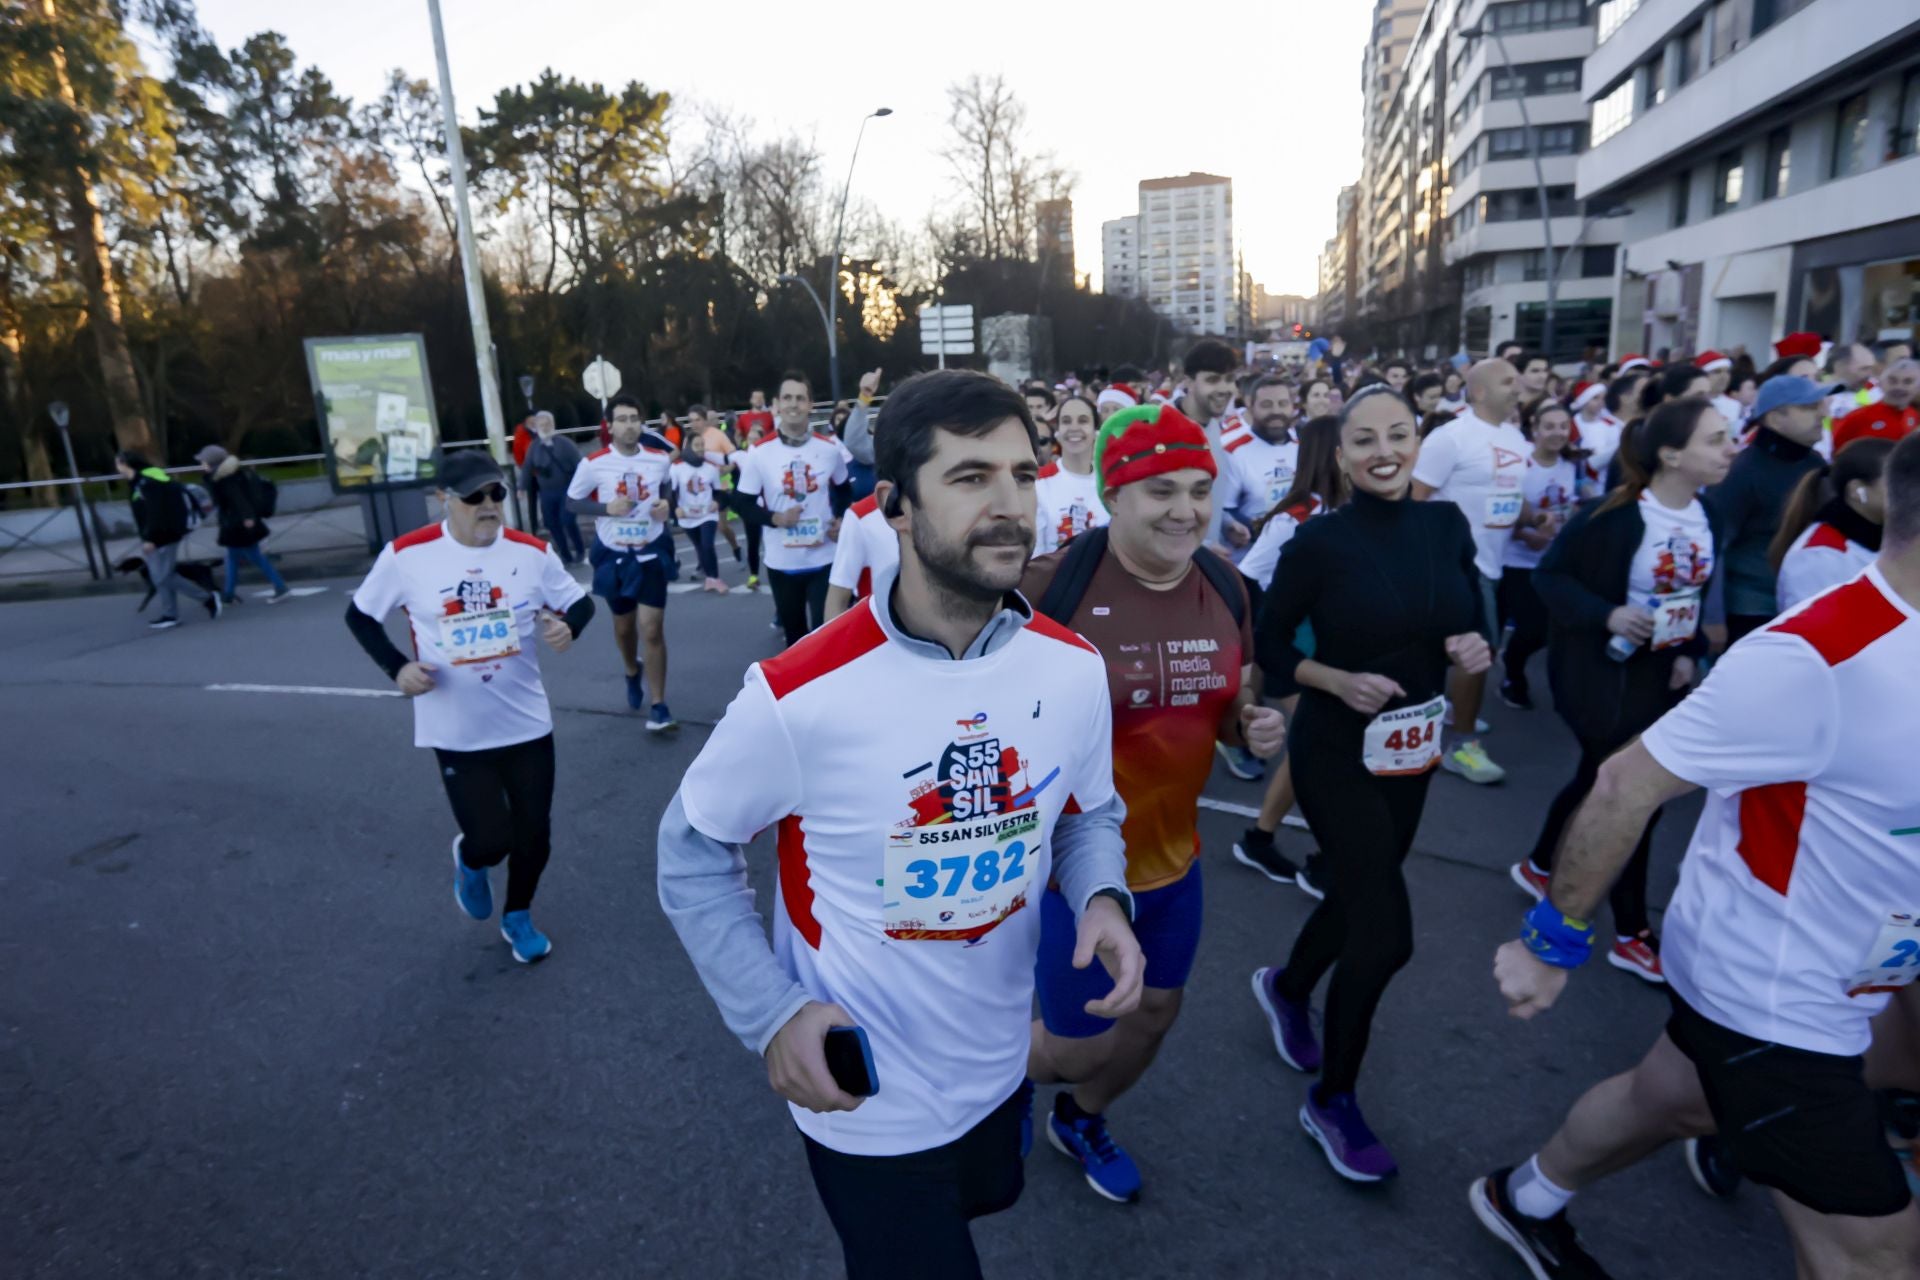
point(850, 1060)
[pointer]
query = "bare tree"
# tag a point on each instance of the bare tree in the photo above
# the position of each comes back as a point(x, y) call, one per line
point(1003, 183)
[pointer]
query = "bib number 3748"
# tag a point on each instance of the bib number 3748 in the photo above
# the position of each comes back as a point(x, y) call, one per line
point(485, 636)
point(955, 881)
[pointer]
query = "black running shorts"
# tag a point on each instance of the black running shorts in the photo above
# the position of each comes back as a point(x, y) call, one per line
point(1801, 1122)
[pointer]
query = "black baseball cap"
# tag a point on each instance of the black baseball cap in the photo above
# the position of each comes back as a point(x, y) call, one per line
point(464, 473)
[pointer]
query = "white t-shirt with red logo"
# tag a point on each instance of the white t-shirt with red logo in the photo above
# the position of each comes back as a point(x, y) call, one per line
point(693, 493)
point(1601, 439)
point(1478, 466)
point(473, 611)
point(1066, 504)
point(1263, 557)
point(1257, 475)
point(1802, 881)
point(867, 542)
point(784, 476)
point(1550, 489)
point(1819, 558)
point(916, 803)
point(641, 476)
point(1675, 552)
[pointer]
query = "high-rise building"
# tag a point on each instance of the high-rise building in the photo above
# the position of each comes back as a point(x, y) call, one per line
point(1053, 235)
point(1185, 254)
point(1339, 263)
point(1382, 65)
point(1120, 256)
point(1758, 160)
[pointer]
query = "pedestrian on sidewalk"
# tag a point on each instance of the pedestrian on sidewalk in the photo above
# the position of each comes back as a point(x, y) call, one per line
point(161, 512)
point(236, 496)
point(548, 468)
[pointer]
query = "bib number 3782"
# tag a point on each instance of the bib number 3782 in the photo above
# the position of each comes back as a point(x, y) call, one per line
point(955, 881)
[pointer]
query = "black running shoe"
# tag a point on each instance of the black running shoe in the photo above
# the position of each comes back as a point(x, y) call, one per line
point(1312, 879)
point(1712, 1166)
point(1256, 849)
point(1548, 1246)
point(1516, 696)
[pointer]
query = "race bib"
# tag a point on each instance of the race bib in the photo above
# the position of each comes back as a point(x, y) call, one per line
point(954, 881)
point(1406, 741)
point(1675, 618)
point(486, 636)
point(631, 534)
point(1503, 510)
point(810, 532)
point(1894, 960)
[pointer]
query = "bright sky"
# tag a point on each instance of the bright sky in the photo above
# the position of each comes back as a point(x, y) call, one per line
point(1266, 93)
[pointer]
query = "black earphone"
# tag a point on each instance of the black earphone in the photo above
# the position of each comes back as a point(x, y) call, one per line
point(893, 502)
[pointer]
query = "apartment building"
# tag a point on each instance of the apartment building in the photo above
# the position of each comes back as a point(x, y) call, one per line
point(1339, 264)
point(1759, 156)
point(1053, 236)
point(1119, 256)
point(1185, 252)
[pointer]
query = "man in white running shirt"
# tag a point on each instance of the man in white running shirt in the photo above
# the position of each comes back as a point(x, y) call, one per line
point(796, 476)
point(1261, 460)
point(1793, 923)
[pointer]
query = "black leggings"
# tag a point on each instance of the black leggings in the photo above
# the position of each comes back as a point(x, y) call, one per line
point(799, 601)
point(702, 535)
point(1628, 897)
point(753, 546)
point(908, 1215)
point(503, 800)
point(1521, 605)
point(1363, 930)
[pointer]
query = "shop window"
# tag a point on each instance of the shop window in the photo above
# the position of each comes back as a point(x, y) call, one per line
point(1773, 183)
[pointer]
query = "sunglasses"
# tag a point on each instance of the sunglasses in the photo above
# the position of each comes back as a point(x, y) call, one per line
point(493, 492)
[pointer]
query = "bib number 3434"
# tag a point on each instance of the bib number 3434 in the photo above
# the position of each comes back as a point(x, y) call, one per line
point(955, 881)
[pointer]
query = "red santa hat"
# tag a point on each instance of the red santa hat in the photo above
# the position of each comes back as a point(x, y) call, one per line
point(1115, 397)
point(1800, 345)
point(1585, 393)
point(1149, 440)
point(1630, 363)
point(1708, 361)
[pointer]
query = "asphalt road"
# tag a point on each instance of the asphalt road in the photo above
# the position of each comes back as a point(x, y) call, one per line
point(244, 1031)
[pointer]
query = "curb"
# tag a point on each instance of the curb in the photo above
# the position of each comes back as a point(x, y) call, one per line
point(77, 586)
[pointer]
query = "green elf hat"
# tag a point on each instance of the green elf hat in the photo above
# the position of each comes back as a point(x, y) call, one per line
point(1148, 440)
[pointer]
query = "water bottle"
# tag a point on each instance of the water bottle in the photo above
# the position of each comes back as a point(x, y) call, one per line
point(1620, 648)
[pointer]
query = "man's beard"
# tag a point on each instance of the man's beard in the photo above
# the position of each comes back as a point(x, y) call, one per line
point(951, 568)
point(1273, 429)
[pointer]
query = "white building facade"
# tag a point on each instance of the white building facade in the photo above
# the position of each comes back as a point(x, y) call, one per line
point(1119, 257)
point(1185, 253)
point(1759, 156)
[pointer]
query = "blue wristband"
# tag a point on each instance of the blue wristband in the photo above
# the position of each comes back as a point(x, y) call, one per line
point(1555, 938)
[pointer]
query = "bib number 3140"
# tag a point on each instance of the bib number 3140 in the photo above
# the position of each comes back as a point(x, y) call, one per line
point(1894, 961)
point(955, 881)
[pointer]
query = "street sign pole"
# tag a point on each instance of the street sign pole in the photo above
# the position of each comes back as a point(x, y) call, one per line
point(58, 411)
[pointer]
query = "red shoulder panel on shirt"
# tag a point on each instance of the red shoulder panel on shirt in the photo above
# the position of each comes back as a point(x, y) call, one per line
point(847, 638)
point(419, 537)
point(526, 540)
point(1234, 442)
point(1041, 624)
point(865, 507)
point(1051, 469)
point(1844, 621)
point(600, 453)
point(1825, 535)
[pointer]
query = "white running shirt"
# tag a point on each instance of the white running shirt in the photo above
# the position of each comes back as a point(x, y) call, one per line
point(1256, 476)
point(473, 611)
point(609, 474)
point(1263, 557)
point(1810, 842)
point(785, 475)
point(867, 543)
point(1675, 552)
point(1819, 558)
point(693, 493)
point(1066, 505)
point(858, 750)
point(1478, 467)
point(1552, 490)
point(1601, 439)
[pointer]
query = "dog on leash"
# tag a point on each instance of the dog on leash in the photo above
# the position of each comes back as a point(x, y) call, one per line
point(199, 573)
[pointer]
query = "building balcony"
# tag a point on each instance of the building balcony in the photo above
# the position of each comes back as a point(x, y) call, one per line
point(1506, 175)
point(1504, 113)
point(1512, 237)
point(1533, 46)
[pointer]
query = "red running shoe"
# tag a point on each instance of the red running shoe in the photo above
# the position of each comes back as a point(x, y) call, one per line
point(1639, 956)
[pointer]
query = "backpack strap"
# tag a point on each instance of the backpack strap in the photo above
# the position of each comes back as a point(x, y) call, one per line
point(1074, 576)
point(1225, 579)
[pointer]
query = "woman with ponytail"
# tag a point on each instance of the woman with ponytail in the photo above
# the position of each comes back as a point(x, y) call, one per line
point(1831, 528)
point(1624, 585)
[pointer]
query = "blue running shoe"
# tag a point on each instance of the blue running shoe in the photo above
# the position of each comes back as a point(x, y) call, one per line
point(1242, 763)
point(470, 887)
point(1109, 1169)
point(529, 944)
point(1026, 1118)
point(634, 697)
point(1291, 1024)
point(660, 719)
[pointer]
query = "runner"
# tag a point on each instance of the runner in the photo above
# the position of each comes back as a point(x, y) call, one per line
point(1596, 432)
point(1260, 463)
point(693, 481)
point(1316, 398)
point(1426, 391)
point(1555, 481)
point(1001, 752)
point(1787, 932)
point(1749, 503)
point(1391, 588)
point(623, 487)
point(1209, 395)
point(1534, 369)
point(857, 435)
point(1625, 586)
point(1318, 485)
point(1832, 525)
point(704, 425)
point(1173, 623)
point(1892, 417)
point(793, 476)
point(755, 423)
point(1066, 494)
point(476, 592)
point(1479, 463)
point(1719, 371)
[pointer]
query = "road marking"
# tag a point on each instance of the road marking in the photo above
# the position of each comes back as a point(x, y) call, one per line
point(1248, 811)
point(295, 592)
point(318, 689)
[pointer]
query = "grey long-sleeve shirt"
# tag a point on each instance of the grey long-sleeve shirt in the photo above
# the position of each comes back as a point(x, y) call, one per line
point(704, 889)
point(857, 434)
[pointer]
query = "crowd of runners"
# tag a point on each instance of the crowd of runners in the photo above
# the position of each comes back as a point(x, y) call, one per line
point(1070, 596)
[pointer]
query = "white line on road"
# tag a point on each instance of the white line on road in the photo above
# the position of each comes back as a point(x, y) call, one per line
point(319, 689)
point(1248, 811)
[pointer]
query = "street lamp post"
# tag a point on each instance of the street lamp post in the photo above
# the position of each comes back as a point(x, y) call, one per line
point(825, 318)
point(833, 278)
point(1539, 183)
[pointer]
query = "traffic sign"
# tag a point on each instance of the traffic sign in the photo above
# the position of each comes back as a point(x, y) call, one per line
point(601, 379)
point(946, 330)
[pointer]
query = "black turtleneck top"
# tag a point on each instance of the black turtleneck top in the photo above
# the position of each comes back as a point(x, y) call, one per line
point(1746, 508)
point(1384, 584)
